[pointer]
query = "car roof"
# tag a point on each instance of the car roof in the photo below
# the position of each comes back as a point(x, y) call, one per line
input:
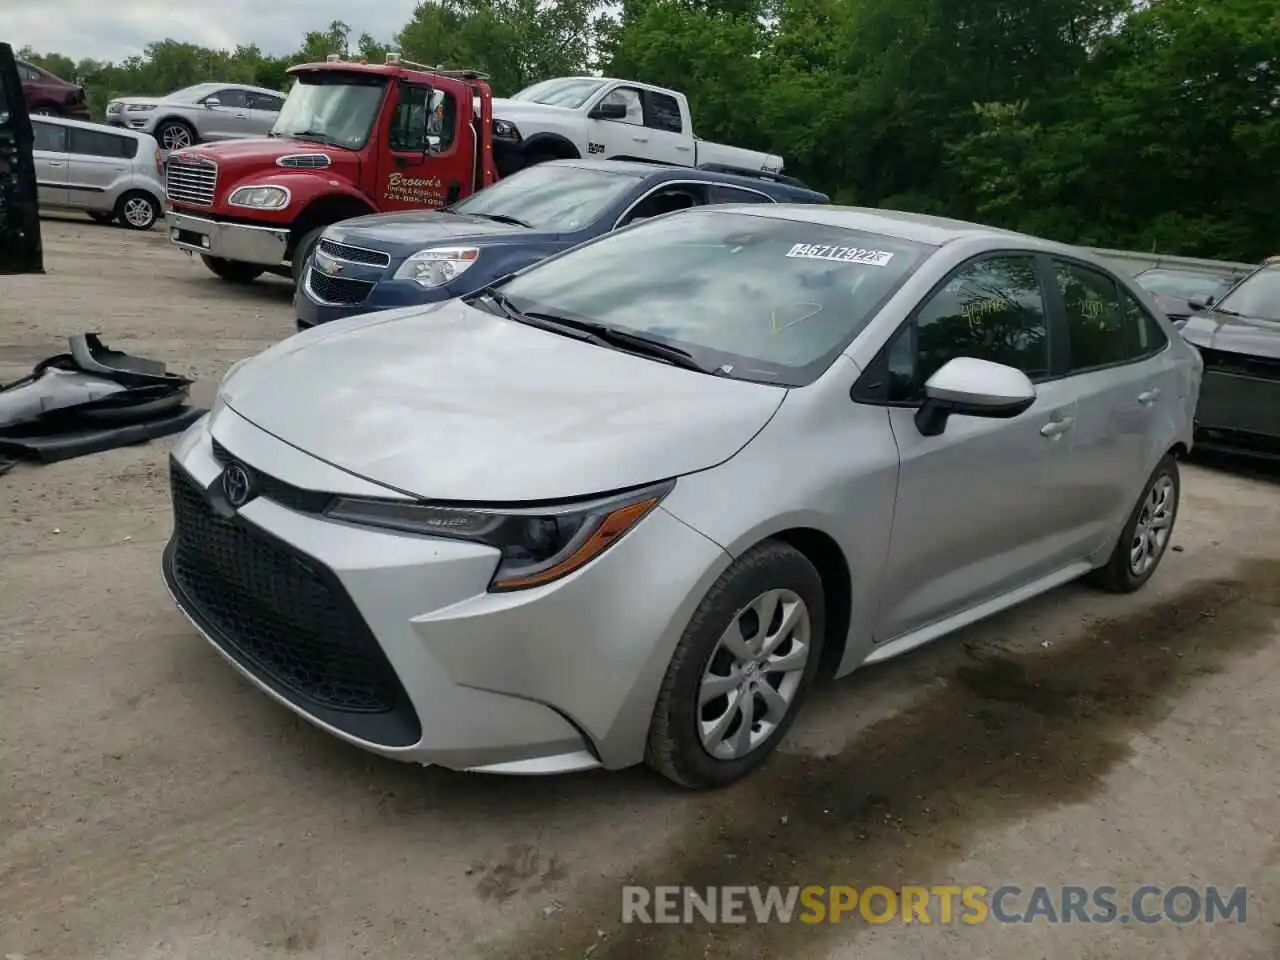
point(900, 224)
point(661, 172)
point(90, 125)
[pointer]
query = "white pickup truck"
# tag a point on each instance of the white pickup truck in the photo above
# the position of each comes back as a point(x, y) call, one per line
point(571, 117)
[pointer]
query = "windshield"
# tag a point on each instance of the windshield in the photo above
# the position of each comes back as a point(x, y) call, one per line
point(754, 297)
point(192, 94)
point(1257, 296)
point(334, 108)
point(571, 92)
point(1184, 284)
point(550, 196)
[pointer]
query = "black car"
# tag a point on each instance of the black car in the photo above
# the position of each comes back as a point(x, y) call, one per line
point(19, 217)
point(1239, 338)
point(1180, 291)
point(391, 260)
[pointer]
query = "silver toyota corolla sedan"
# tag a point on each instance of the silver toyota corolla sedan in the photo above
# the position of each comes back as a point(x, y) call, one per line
point(626, 505)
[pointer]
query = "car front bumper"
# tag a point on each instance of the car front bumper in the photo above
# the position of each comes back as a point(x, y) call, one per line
point(392, 642)
point(312, 306)
point(267, 246)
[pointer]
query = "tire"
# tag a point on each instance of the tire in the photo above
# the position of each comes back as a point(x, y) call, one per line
point(1123, 572)
point(137, 210)
point(302, 253)
point(233, 271)
point(676, 746)
point(175, 135)
point(103, 218)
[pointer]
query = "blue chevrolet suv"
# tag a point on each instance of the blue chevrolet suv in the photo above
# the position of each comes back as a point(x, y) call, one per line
point(401, 259)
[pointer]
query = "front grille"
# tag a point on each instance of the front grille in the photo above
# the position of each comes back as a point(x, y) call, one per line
point(188, 181)
point(280, 614)
point(337, 290)
point(285, 494)
point(1239, 393)
point(374, 258)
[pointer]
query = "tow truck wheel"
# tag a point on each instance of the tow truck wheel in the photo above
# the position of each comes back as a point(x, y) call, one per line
point(302, 253)
point(232, 271)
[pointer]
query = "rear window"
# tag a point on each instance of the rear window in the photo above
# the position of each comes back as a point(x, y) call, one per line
point(757, 297)
point(99, 143)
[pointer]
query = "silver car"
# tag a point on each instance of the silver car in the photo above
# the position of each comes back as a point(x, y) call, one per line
point(108, 174)
point(206, 111)
point(626, 505)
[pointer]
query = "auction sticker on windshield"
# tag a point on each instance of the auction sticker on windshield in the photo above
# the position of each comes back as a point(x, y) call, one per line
point(818, 251)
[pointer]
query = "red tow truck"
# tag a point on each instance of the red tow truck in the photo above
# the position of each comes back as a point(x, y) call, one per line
point(353, 138)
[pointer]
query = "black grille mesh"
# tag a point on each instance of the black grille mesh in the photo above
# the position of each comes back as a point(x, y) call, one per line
point(276, 609)
point(338, 289)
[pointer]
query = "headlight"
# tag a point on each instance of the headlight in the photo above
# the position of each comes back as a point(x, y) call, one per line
point(538, 545)
point(505, 130)
point(436, 266)
point(260, 198)
point(140, 107)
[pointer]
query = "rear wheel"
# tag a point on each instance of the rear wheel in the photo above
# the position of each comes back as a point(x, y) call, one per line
point(233, 271)
point(1146, 534)
point(138, 210)
point(741, 671)
point(175, 135)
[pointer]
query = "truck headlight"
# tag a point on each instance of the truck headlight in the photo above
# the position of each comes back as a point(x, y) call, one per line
point(537, 544)
point(436, 266)
point(260, 198)
point(505, 130)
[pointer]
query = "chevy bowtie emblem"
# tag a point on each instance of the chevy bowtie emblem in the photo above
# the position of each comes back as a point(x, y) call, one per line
point(330, 267)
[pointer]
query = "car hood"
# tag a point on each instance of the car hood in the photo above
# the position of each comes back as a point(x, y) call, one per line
point(411, 230)
point(1220, 331)
point(450, 402)
point(504, 109)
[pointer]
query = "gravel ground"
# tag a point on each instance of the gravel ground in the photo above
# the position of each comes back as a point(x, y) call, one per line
point(153, 805)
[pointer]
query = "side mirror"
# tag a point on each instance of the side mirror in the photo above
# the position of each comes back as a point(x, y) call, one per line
point(211, 102)
point(609, 111)
point(433, 143)
point(1200, 301)
point(973, 388)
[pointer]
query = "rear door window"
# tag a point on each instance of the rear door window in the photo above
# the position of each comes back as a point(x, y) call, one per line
point(662, 112)
point(96, 143)
point(722, 194)
point(1105, 326)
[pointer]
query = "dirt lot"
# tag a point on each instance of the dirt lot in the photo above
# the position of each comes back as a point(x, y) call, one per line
point(153, 805)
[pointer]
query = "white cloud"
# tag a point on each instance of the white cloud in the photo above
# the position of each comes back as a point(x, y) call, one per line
point(115, 29)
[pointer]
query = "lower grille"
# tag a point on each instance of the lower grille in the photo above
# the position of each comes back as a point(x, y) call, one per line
point(284, 618)
point(337, 290)
point(1239, 393)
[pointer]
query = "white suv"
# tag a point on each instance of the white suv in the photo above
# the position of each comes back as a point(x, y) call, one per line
point(109, 174)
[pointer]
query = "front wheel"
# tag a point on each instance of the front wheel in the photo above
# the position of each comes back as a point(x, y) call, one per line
point(741, 671)
point(1146, 534)
point(138, 210)
point(233, 271)
point(302, 253)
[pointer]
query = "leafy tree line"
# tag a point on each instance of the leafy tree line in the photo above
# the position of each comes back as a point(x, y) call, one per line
point(1143, 124)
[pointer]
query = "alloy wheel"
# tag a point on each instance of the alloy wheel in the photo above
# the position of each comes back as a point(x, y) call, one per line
point(175, 137)
point(139, 213)
point(1151, 533)
point(753, 674)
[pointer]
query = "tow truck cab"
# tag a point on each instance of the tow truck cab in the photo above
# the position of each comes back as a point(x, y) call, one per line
point(20, 250)
point(353, 138)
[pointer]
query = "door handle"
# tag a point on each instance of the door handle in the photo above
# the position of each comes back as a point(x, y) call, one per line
point(1056, 428)
point(684, 149)
point(242, 116)
point(1149, 397)
point(55, 163)
point(640, 139)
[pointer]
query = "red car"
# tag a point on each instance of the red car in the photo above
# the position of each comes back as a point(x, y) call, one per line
point(47, 94)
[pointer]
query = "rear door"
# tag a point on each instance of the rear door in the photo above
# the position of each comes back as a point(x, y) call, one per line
point(1124, 388)
point(667, 140)
point(97, 163)
point(20, 250)
point(50, 155)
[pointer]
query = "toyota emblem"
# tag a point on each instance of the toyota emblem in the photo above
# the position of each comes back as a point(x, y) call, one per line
point(237, 485)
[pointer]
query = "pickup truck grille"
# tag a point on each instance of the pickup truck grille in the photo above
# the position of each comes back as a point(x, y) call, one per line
point(188, 180)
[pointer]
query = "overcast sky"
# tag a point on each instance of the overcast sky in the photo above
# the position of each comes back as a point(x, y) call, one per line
point(115, 29)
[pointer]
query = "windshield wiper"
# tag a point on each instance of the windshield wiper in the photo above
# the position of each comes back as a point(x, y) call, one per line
point(627, 340)
point(512, 312)
point(503, 218)
point(315, 136)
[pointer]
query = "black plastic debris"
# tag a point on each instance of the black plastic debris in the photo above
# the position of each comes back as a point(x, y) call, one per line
point(89, 400)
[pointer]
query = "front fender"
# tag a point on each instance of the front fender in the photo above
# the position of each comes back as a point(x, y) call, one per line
point(305, 189)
